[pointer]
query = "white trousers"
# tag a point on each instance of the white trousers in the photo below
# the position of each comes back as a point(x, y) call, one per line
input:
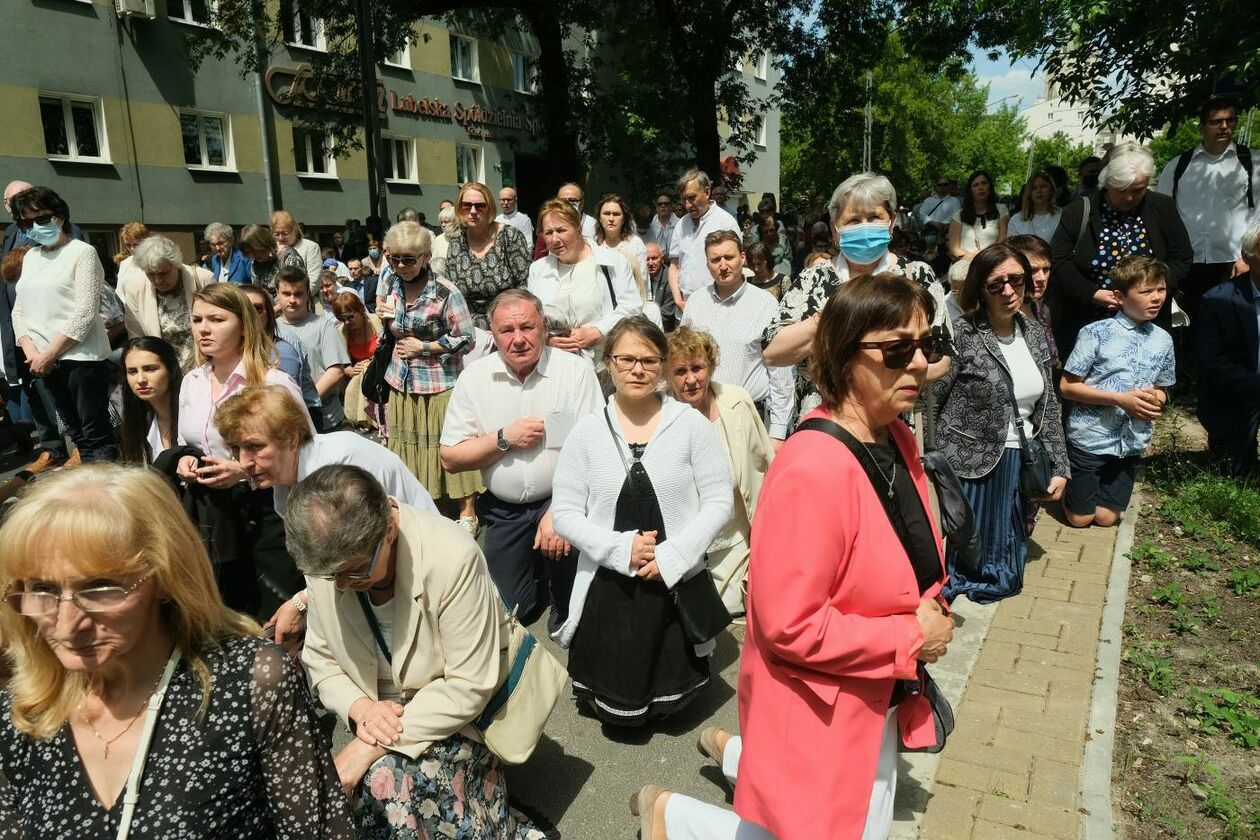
point(691, 819)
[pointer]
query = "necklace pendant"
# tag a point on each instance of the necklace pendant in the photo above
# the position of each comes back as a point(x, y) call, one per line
point(107, 751)
point(890, 491)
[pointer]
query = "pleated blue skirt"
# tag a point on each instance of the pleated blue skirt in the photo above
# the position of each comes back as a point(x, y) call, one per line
point(1000, 518)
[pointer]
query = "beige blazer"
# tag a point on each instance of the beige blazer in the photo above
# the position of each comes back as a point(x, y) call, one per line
point(747, 440)
point(139, 300)
point(450, 632)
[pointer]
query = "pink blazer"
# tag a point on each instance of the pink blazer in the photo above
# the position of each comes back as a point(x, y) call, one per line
point(831, 627)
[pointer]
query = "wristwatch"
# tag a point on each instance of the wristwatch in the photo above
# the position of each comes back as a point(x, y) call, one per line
point(299, 603)
point(504, 446)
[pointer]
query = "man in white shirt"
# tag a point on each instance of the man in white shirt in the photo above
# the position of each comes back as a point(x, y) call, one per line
point(508, 416)
point(661, 229)
point(934, 212)
point(688, 267)
point(720, 196)
point(736, 313)
point(325, 349)
point(1217, 188)
point(573, 194)
point(510, 216)
point(287, 233)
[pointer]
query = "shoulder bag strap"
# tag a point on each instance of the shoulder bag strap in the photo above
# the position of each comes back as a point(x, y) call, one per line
point(1010, 390)
point(131, 795)
point(1080, 235)
point(616, 442)
point(608, 282)
point(1183, 163)
point(375, 625)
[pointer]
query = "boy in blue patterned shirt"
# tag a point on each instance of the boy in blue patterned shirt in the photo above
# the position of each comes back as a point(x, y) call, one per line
point(1116, 379)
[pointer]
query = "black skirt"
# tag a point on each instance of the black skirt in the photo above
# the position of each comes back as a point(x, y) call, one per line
point(629, 658)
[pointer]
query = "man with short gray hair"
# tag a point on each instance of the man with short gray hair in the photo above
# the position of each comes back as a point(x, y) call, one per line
point(688, 268)
point(573, 194)
point(508, 416)
point(227, 264)
point(511, 216)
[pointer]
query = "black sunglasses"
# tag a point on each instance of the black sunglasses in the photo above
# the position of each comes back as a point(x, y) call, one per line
point(1015, 281)
point(396, 261)
point(42, 219)
point(899, 352)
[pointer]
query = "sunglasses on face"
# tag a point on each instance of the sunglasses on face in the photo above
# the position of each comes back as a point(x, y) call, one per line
point(1015, 281)
point(400, 260)
point(41, 219)
point(898, 353)
point(468, 206)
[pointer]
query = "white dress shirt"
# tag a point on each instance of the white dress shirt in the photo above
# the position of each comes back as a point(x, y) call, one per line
point(737, 324)
point(687, 247)
point(937, 209)
point(352, 448)
point(662, 232)
point(1212, 201)
point(561, 390)
point(521, 222)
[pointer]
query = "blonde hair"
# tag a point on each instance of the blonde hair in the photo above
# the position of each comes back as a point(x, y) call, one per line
point(136, 231)
point(687, 342)
point(113, 520)
point(475, 186)
point(256, 346)
point(270, 409)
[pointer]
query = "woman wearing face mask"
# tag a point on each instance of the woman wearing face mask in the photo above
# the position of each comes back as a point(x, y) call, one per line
point(57, 321)
point(862, 213)
point(151, 401)
point(980, 222)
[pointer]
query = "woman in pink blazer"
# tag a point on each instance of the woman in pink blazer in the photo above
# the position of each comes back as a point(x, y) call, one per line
point(842, 606)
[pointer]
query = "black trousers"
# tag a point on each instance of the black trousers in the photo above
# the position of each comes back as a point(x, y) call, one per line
point(1199, 281)
point(1232, 438)
point(81, 393)
point(525, 578)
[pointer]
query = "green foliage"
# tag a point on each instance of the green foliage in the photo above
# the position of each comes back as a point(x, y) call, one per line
point(1174, 140)
point(1205, 778)
point(1244, 580)
point(1210, 608)
point(1197, 560)
point(1153, 665)
point(1169, 595)
point(1224, 710)
point(1213, 497)
point(1059, 150)
point(1150, 556)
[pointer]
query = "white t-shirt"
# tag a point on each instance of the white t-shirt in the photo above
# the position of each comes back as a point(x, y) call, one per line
point(1041, 224)
point(350, 448)
point(1029, 385)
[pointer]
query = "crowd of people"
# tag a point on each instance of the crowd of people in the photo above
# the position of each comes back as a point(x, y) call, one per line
point(313, 479)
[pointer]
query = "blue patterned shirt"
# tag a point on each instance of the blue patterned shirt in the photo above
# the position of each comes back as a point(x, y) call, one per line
point(1117, 355)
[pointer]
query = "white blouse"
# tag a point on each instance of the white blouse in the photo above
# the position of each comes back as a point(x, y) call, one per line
point(981, 233)
point(578, 295)
point(1041, 224)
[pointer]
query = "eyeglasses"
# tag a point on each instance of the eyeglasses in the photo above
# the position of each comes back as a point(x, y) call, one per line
point(1222, 121)
point(355, 577)
point(899, 352)
point(41, 219)
point(397, 260)
point(1015, 281)
point(664, 204)
point(94, 600)
point(472, 205)
point(625, 364)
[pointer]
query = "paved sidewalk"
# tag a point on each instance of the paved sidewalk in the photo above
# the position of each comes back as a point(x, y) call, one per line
point(1012, 767)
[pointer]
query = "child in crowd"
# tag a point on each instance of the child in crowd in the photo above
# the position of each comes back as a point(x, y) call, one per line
point(1116, 379)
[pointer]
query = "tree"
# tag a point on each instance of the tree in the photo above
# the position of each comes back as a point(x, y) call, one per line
point(1059, 150)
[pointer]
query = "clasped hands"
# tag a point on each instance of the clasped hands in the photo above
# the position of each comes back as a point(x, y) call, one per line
point(643, 556)
point(1142, 403)
point(211, 471)
point(577, 339)
point(937, 627)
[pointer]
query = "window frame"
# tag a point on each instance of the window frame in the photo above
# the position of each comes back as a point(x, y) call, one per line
point(413, 168)
point(530, 85)
point(760, 132)
point(761, 70)
point(229, 146)
point(479, 163)
point(330, 162)
point(405, 58)
point(473, 60)
point(188, 20)
point(67, 100)
point(317, 29)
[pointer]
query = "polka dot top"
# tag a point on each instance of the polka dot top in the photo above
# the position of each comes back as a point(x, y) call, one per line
point(1120, 235)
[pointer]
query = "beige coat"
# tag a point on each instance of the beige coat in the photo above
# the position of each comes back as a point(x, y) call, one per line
point(449, 634)
point(747, 441)
point(139, 300)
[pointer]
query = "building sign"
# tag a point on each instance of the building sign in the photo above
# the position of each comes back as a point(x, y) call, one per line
point(478, 120)
point(289, 86)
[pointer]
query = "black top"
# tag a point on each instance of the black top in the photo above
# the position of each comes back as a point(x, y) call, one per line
point(914, 529)
point(254, 765)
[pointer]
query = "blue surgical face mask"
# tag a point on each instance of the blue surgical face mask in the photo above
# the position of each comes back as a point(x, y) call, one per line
point(864, 243)
point(45, 234)
point(374, 253)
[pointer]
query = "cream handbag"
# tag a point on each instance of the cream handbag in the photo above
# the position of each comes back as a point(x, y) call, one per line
point(513, 720)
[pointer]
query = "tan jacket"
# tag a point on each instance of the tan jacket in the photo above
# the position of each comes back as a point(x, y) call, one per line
point(747, 441)
point(139, 300)
point(449, 634)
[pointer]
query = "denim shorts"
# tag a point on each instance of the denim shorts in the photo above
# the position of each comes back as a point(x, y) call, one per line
point(1099, 481)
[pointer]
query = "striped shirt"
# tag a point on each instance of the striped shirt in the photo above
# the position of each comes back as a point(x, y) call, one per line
point(437, 314)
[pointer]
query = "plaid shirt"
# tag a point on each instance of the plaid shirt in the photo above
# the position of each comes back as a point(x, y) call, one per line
point(439, 314)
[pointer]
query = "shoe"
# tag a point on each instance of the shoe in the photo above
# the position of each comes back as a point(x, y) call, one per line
point(75, 460)
point(43, 462)
point(643, 806)
point(470, 524)
point(707, 743)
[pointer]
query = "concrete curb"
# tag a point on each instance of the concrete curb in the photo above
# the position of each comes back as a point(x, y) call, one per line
point(1099, 823)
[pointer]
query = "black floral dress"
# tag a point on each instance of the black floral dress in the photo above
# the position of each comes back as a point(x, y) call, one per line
point(255, 765)
point(480, 279)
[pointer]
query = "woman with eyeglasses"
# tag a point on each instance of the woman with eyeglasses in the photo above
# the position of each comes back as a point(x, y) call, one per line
point(641, 490)
point(133, 677)
point(434, 331)
point(844, 606)
point(404, 643)
point(361, 332)
point(1001, 375)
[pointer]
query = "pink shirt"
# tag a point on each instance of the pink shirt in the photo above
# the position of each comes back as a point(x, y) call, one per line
point(196, 408)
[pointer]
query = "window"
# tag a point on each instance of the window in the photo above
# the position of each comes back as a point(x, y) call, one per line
point(401, 58)
point(73, 128)
point(310, 154)
point(207, 140)
point(762, 70)
point(467, 164)
point(190, 11)
point(759, 132)
point(524, 73)
point(464, 59)
point(302, 29)
point(399, 159)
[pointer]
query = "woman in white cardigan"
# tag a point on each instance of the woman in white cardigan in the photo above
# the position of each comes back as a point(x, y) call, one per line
point(641, 490)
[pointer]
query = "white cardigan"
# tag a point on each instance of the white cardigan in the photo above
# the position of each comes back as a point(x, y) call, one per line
point(692, 478)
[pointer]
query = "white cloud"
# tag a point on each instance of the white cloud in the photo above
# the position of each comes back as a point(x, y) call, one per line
point(1021, 85)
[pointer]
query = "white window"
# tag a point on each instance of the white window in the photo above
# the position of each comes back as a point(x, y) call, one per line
point(190, 11)
point(467, 164)
point(763, 65)
point(759, 132)
point(207, 140)
point(311, 155)
point(398, 160)
point(302, 29)
point(74, 128)
point(524, 73)
point(401, 58)
point(464, 59)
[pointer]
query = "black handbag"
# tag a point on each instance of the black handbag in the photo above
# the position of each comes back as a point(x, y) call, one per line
point(375, 388)
point(942, 712)
point(958, 522)
point(1035, 469)
point(700, 609)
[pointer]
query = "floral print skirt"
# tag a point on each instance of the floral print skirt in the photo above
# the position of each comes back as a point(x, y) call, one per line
point(453, 790)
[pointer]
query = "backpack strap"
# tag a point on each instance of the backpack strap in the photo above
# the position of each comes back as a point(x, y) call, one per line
point(1183, 163)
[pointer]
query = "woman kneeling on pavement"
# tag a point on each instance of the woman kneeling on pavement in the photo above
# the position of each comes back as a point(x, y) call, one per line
point(843, 605)
point(404, 646)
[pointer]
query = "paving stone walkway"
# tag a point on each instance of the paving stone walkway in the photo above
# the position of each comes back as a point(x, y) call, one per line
point(1012, 767)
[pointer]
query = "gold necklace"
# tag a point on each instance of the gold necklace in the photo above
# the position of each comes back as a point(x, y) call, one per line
point(108, 742)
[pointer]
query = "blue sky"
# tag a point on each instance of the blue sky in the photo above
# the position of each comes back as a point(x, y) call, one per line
point(1016, 80)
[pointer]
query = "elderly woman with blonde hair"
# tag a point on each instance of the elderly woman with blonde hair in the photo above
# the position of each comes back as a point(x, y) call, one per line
point(127, 663)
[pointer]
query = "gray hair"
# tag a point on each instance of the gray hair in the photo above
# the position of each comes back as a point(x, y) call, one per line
point(1251, 239)
point(446, 218)
point(407, 214)
point(696, 176)
point(1126, 163)
point(337, 513)
point(408, 237)
point(153, 251)
point(520, 293)
point(867, 190)
point(218, 230)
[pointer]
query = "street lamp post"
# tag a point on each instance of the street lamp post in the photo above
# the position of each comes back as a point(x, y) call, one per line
point(1032, 145)
point(371, 118)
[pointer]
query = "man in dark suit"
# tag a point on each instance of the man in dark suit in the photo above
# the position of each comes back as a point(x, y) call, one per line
point(364, 283)
point(1229, 362)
